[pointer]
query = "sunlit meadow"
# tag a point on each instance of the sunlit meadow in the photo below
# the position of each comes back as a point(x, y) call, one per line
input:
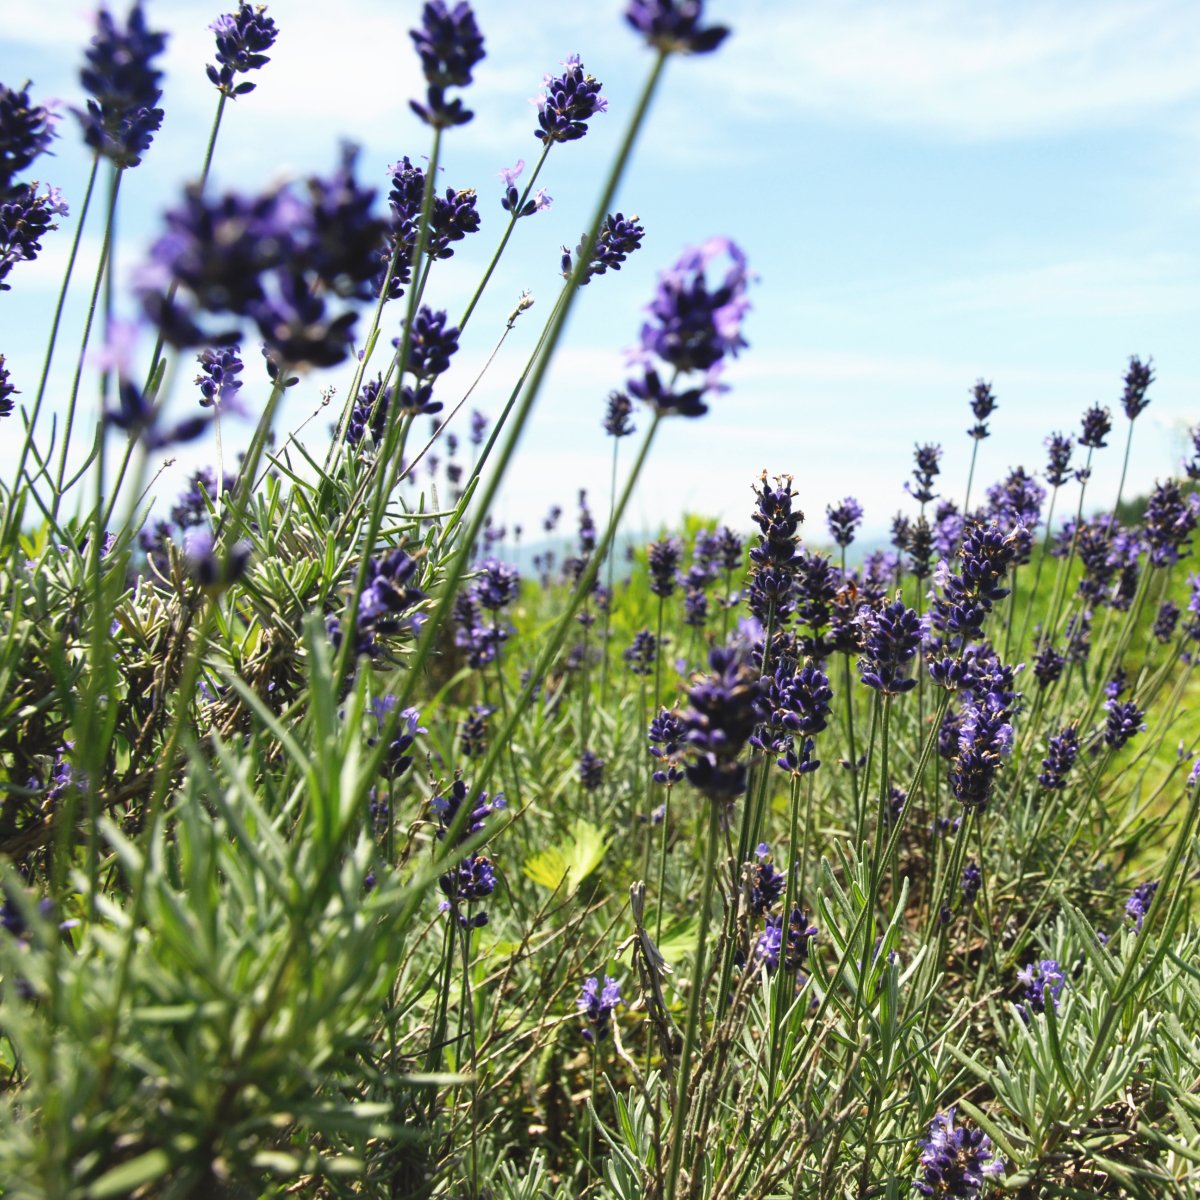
point(358, 842)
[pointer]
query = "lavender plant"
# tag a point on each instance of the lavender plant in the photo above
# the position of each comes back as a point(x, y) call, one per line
point(333, 866)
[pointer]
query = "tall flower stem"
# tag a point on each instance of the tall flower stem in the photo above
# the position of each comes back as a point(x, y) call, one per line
point(101, 269)
point(970, 476)
point(1064, 567)
point(612, 494)
point(679, 1118)
point(531, 390)
point(508, 230)
point(13, 509)
point(1037, 572)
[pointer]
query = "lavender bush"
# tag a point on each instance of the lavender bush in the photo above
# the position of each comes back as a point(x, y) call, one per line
point(337, 858)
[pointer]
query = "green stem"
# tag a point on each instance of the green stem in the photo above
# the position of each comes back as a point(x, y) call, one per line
point(679, 1115)
point(27, 443)
point(73, 399)
point(512, 223)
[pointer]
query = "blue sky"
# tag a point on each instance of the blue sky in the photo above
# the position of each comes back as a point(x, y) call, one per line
point(929, 192)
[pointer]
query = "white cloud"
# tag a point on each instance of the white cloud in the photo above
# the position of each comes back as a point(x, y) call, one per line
point(992, 69)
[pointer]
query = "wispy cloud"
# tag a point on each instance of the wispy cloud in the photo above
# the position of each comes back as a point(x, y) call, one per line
point(993, 69)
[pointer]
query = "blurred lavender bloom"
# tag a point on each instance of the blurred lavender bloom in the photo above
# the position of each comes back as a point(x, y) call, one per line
point(1138, 379)
point(449, 45)
point(843, 519)
point(673, 26)
point(121, 118)
point(983, 404)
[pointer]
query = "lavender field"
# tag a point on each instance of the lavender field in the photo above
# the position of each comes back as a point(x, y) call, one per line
point(394, 805)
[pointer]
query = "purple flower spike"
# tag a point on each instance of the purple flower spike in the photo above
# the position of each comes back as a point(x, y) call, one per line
point(121, 117)
point(243, 38)
point(1042, 980)
point(955, 1160)
point(618, 238)
point(26, 131)
point(983, 404)
point(843, 519)
point(1096, 426)
point(673, 26)
point(449, 45)
point(596, 1005)
point(7, 391)
point(1138, 379)
point(1058, 446)
point(567, 102)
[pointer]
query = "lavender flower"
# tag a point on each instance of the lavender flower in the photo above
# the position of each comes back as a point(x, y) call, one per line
point(667, 736)
point(511, 200)
point(7, 391)
point(1096, 426)
point(663, 558)
point(591, 770)
point(1170, 522)
point(955, 1160)
point(1016, 505)
point(1191, 467)
point(843, 519)
point(618, 238)
point(1059, 447)
point(218, 379)
point(479, 427)
point(928, 459)
point(984, 737)
point(920, 549)
point(641, 653)
point(567, 103)
point(1041, 980)
point(26, 216)
point(764, 883)
point(399, 757)
point(1124, 720)
point(673, 26)
point(1166, 621)
point(891, 636)
point(770, 950)
point(369, 413)
point(719, 723)
point(968, 597)
point(1048, 665)
point(1138, 904)
point(972, 881)
point(472, 732)
point(26, 131)
point(121, 117)
point(276, 259)
point(213, 571)
point(596, 1006)
point(616, 417)
point(693, 328)
point(449, 45)
point(1138, 379)
point(243, 38)
point(389, 592)
point(1061, 752)
point(983, 404)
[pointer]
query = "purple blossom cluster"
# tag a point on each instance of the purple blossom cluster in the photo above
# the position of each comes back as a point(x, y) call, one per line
point(1041, 981)
point(596, 1005)
point(719, 722)
point(243, 39)
point(956, 1160)
point(123, 85)
point(694, 327)
point(279, 260)
point(983, 404)
point(449, 45)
